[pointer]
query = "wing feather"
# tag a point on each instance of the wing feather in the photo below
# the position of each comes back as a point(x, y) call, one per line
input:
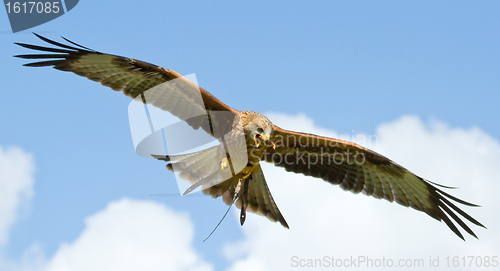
point(181, 97)
point(374, 175)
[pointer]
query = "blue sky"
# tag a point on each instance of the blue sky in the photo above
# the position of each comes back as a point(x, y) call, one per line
point(349, 67)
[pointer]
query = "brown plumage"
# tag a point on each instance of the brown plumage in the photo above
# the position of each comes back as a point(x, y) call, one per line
point(240, 178)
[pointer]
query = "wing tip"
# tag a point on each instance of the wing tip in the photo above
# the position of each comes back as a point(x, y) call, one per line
point(444, 211)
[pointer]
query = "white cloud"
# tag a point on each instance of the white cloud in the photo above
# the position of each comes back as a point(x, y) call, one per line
point(126, 235)
point(132, 235)
point(16, 190)
point(326, 221)
point(16, 187)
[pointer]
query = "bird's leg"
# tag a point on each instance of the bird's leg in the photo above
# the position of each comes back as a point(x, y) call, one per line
point(237, 189)
point(244, 200)
point(245, 179)
point(237, 196)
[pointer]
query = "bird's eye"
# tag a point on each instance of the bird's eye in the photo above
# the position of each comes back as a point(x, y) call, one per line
point(260, 130)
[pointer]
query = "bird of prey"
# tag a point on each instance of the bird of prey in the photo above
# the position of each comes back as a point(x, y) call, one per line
point(346, 164)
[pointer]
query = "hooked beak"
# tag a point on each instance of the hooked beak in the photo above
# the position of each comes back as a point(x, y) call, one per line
point(258, 138)
point(272, 144)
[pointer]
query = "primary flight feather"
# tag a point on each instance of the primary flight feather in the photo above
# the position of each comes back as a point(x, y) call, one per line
point(352, 167)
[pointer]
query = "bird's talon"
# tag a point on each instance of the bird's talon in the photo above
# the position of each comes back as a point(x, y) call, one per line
point(245, 176)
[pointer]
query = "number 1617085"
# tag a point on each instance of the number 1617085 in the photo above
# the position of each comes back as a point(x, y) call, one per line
point(32, 7)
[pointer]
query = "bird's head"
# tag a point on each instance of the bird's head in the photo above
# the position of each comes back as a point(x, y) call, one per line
point(259, 128)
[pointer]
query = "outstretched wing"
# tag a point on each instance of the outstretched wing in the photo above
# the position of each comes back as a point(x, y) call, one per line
point(180, 97)
point(358, 169)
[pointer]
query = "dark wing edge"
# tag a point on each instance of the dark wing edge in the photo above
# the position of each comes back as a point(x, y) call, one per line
point(435, 202)
point(131, 76)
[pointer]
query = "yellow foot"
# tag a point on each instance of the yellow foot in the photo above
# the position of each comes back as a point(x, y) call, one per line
point(224, 164)
point(246, 174)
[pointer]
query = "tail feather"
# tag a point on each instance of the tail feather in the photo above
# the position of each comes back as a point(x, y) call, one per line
point(198, 168)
